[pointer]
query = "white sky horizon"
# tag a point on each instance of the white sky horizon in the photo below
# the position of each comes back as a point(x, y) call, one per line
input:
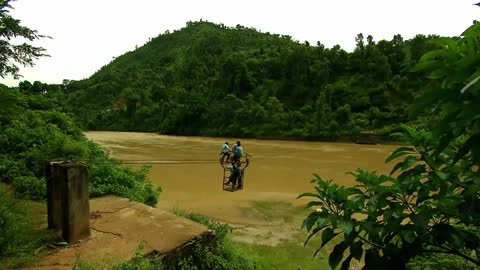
point(87, 34)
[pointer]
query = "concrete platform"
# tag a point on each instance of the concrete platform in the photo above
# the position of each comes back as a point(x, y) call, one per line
point(119, 226)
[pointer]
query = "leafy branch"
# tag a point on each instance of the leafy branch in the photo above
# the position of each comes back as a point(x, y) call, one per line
point(11, 53)
point(431, 200)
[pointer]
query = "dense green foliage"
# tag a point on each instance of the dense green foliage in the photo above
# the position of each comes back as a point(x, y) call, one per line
point(36, 131)
point(208, 79)
point(430, 203)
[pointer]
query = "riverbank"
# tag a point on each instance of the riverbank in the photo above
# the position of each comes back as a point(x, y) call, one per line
point(368, 137)
point(116, 237)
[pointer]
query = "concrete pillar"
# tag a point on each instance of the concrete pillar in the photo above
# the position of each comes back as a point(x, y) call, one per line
point(54, 198)
point(67, 195)
point(76, 211)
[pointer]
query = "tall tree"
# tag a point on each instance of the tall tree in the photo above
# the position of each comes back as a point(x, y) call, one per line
point(12, 54)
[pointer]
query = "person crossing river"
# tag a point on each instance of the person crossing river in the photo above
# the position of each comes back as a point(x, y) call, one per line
point(237, 150)
point(225, 152)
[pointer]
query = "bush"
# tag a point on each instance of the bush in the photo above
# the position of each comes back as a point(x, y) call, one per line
point(217, 255)
point(110, 178)
point(440, 262)
point(31, 137)
point(17, 237)
point(221, 230)
point(140, 262)
point(11, 168)
point(30, 187)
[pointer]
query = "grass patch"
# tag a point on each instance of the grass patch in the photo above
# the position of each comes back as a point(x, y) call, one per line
point(138, 262)
point(93, 263)
point(288, 254)
point(274, 211)
point(23, 234)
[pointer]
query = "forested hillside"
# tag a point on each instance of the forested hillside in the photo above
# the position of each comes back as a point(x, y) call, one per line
point(208, 79)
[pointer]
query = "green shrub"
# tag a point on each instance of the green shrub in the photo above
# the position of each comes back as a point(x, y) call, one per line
point(31, 137)
point(110, 178)
point(221, 229)
point(30, 187)
point(18, 240)
point(218, 255)
point(140, 262)
point(440, 262)
point(11, 168)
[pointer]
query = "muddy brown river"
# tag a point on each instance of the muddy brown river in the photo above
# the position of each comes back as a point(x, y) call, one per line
point(190, 175)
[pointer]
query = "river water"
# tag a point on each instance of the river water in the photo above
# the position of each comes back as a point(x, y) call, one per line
point(190, 175)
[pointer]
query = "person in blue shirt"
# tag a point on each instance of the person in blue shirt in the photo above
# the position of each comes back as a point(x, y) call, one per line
point(225, 152)
point(237, 152)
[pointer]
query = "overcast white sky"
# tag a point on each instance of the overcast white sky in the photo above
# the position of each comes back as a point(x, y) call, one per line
point(86, 34)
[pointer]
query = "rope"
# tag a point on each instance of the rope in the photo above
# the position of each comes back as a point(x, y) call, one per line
point(167, 162)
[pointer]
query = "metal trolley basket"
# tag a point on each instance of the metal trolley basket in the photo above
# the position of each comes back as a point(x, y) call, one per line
point(238, 183)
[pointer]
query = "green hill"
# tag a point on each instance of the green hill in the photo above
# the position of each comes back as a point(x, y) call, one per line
point(208, 79)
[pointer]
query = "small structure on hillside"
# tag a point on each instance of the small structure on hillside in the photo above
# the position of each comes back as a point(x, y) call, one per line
point(234, 174)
